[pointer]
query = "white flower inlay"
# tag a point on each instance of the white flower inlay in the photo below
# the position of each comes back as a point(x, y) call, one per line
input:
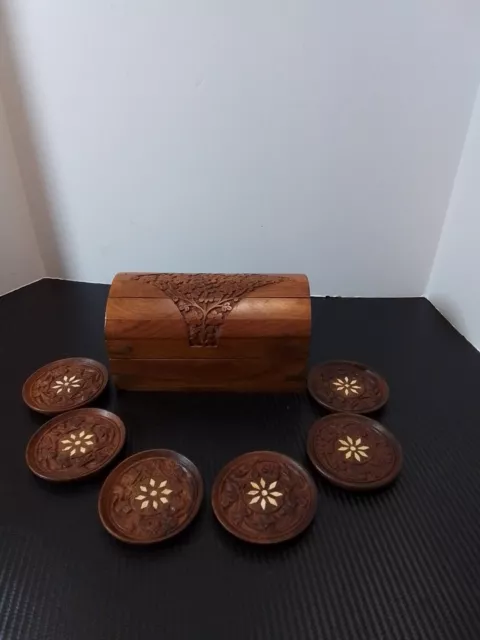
point(264, 493)
point(66, 384)
point(347, 386)
point(78, 442)
point(153, 493)
point(357, 448)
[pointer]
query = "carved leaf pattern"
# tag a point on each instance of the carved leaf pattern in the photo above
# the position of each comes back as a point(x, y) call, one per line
point(205, 300)
point(51, 454)
point(377, 465)
point(126, 511)
point(275, 521)
point(45, 391)
point(361, 396)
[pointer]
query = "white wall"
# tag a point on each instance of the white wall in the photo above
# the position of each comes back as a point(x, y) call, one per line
point(454, 283)
point(286, 135)
point(20, 261)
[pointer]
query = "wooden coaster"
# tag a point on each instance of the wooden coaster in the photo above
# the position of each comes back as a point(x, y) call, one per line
point(151, 496)
point(354, 452)
point(264, 497)
point(64, 385)
point(347, 386)
point(75, 444)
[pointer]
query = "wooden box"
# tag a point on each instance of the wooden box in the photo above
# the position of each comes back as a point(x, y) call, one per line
point(215, 332)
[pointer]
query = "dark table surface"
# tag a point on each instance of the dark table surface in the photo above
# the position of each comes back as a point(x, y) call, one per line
point(400, 564)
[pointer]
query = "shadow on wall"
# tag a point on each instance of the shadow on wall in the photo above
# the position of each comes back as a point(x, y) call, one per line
point(27, 151)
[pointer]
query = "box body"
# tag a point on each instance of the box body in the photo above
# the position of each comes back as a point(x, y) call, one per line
point(208, 332)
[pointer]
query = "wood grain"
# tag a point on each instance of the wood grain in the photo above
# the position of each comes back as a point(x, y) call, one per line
point(143, 383)
point(235, 348)
point(206, 369)
point(217, 374)
point(252, 317)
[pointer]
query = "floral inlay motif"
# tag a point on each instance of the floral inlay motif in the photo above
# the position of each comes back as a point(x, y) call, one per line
point(357, 449)
point(264, 494)
point(346, 386)
point(66, 384)
point(78, 443)
point(153, 493)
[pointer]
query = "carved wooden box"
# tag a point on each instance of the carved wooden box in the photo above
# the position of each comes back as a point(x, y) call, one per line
point(215, 332)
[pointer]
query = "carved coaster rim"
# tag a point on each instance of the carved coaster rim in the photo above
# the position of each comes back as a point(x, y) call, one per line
point(67, 415)
point(103, 496)
point(318, 397)
point(320, 424)
point(80, 361)
point(274, 455)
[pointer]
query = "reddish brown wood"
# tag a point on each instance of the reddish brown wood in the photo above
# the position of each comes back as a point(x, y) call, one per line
point(75, 444)
point(228, 348)
point(64, 385)
point(243, 385)
point(354, 452)
point(251, 317)
point(264, 497)
point(151, 496)
point(347, 386)
point(252, 328)
point(211, 369)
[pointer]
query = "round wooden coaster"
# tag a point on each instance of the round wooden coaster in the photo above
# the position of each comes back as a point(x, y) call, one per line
point(64, 385)
point(347, 386)
point(264, 497)
point(354, 452)
point(75, 444)
point(151, 496)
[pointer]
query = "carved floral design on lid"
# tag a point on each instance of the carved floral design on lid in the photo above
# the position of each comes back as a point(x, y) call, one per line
point(205, 300)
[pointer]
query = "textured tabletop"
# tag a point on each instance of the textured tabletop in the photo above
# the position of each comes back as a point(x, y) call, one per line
point(399, 565)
